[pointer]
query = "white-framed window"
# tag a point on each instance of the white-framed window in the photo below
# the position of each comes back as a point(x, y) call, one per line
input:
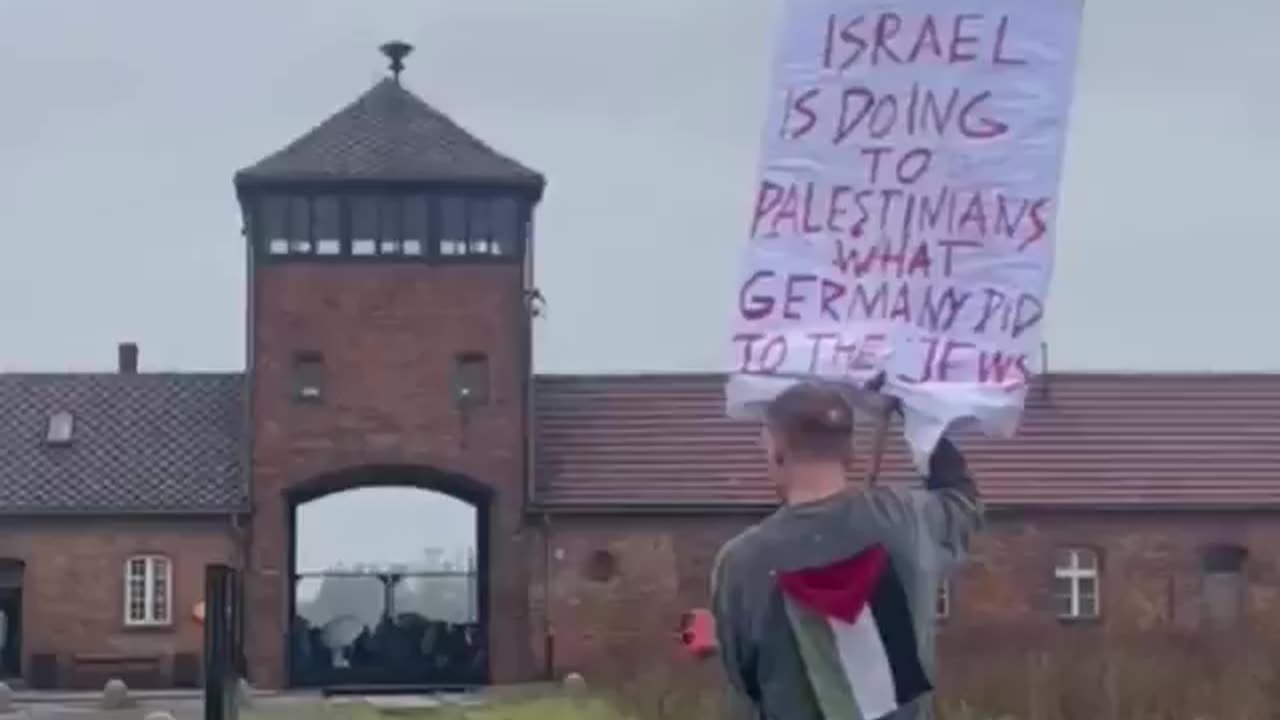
point(148, 590)
point(942, 608)
point(1076, 585)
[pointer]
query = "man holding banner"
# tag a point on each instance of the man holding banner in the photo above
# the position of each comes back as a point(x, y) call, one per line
point(826, 609)
point(903, 230)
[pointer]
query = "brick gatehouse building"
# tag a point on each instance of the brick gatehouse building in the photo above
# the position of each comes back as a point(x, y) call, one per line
point(390, 305)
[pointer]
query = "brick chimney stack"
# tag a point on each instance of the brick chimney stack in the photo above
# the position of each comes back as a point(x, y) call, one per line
point(128, 358)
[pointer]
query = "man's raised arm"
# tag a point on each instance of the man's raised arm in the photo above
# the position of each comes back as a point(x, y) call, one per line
point(953, 508)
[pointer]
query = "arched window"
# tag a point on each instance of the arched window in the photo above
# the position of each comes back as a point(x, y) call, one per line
point(148, 590)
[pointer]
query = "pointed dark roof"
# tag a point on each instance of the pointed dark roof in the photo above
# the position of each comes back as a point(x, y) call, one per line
point(390, 135)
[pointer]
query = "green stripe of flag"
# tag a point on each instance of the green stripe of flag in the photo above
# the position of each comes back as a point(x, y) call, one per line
point(822, 663)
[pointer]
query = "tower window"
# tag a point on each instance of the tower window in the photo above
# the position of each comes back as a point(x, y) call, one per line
point(275, 224)
point(453, 226)
point(480, 230)
point(406, 226)
point(471, 379)
point(414, 236)
point(300, 226)
point(491, 228)
point(479, 227)
point(364, 225)
point(505, 226)
point(389, 222)
point(287, 224)
point(308, 376)
point(326, 225)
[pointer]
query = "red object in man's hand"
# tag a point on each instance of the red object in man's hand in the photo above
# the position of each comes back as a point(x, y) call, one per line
point(698, 633)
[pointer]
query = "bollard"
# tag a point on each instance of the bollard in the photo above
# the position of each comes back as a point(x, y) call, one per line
point(115, 695)
point(575, 684)
point(244, 694)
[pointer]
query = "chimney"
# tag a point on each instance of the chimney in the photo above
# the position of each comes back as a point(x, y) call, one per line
point(128, 354)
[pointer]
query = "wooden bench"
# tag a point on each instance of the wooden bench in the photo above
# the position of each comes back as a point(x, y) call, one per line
point(93, 670)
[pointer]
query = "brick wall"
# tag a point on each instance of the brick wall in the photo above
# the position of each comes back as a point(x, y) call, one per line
point(1151, 586)
point(73, 584)
point(1151, 568)
point(389, 335)
point(661, 567)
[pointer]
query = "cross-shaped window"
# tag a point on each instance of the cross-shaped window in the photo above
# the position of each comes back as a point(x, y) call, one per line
point(1076, 586)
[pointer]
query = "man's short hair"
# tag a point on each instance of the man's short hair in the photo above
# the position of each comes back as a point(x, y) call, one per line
point(814, 421)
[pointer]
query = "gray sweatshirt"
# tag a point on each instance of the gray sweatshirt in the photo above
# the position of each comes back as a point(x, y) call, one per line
point(926, 534)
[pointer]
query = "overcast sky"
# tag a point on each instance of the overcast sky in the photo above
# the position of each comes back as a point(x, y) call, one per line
point(401, 537)
point(122, 123)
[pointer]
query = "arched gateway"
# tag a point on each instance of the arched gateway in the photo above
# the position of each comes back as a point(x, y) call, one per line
point(389, 568)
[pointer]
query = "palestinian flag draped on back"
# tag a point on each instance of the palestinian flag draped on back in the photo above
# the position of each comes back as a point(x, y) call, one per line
point(853, 625)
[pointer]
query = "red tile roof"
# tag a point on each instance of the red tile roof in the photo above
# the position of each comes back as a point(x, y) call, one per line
point(1107, 441)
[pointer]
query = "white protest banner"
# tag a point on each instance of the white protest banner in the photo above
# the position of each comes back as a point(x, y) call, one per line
point(904, 217)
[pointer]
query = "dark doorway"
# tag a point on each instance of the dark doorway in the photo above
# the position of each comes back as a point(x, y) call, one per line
point(10, 618)
point(222, 642)
point(388, 571)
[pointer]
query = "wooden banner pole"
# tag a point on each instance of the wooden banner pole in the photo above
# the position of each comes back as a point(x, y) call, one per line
point(878, 442)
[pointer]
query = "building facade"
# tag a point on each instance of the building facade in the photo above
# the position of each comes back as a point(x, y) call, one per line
point(391, 300)
point(117, 490)
point(1128, 506)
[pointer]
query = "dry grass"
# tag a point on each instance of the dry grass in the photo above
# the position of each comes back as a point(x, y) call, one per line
point(1165, 675)
point(1151, 676)
point(1157, 676)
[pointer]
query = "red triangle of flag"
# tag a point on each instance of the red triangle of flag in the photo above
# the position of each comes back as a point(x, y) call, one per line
point(838, 590)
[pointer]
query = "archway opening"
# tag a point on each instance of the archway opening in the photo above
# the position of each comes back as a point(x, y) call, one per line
point(388, 585)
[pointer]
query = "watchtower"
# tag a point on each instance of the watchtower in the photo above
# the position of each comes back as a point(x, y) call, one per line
point(390, 276)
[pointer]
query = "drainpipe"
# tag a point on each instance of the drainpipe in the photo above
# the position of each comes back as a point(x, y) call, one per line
point(526, 350)
point(245, 539)
point(239, 562)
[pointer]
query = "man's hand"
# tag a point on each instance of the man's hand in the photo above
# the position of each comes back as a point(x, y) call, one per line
point(875, 384)
point(892, 405)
